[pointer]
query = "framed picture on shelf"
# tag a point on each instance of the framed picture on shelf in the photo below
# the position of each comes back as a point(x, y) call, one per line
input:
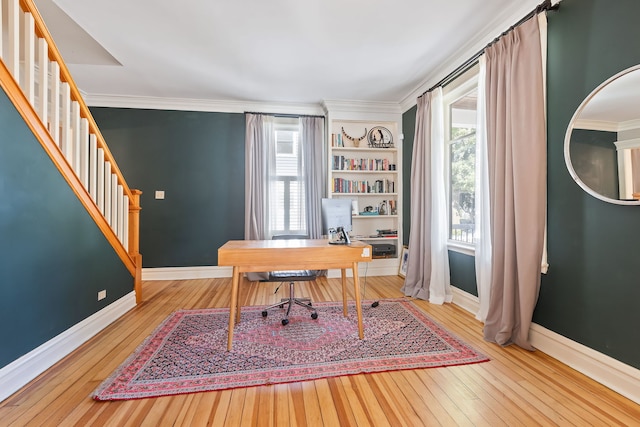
point(404, 259)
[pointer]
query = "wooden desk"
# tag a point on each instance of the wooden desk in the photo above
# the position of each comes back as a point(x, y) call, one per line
point(276, 255)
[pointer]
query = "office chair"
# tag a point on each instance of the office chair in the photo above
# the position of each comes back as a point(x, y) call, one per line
point(291, 277)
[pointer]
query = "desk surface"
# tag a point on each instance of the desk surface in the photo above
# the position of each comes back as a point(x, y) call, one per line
point(296, 254)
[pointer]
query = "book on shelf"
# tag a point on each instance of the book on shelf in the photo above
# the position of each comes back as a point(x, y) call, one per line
point(343, 163)
point(336, 140)
point(379, 186)
point(387, 233)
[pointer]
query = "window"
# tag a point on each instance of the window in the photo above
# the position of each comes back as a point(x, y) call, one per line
point(460, 136)
point(286, 192)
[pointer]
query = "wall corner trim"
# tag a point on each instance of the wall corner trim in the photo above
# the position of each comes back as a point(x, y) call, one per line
point(19, 372)
point(611, 373)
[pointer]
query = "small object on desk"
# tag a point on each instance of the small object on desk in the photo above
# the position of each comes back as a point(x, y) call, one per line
point(339, 236)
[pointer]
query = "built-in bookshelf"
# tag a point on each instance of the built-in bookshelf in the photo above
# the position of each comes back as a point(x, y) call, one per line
point(366, 168)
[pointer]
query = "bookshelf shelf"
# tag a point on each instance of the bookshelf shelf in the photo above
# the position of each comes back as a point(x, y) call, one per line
point(358, 217)
point(363, 194)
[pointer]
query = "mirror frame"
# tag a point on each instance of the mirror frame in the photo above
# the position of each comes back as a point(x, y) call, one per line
point(567, 140)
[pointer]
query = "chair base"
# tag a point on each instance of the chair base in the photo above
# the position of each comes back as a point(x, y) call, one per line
point(289, 302)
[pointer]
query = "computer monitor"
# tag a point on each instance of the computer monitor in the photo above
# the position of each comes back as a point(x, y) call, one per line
point(336, 216)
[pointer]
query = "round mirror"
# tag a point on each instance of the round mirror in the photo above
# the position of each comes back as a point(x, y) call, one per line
point(602, 143)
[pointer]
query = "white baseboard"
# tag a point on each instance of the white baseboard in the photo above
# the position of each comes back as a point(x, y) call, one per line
point(19, 372)
point(464, 299)
point(365, 270)
point(186, 273)
point(611, 373)
point(215, 272)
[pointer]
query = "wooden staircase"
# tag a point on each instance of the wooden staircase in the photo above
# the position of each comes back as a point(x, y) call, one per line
point(37, 81)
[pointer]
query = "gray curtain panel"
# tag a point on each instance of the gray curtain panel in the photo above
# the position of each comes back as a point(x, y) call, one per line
point(516, 147)
point(255, 178)
point(416, 282)
point(313, 154)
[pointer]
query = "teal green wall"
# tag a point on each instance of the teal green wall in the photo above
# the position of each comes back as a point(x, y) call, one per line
point(197, 159)
point(409, 130)
point(463, 272)
point(591, 292)
point(53, 257)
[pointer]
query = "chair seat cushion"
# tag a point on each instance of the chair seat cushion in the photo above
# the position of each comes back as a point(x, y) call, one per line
point(300, 275)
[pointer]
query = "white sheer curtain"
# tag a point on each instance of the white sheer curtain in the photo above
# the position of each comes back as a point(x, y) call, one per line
point(440, 286)
point(428, 266)
point(482, 219)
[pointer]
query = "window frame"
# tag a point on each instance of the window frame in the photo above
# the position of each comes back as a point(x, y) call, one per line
point(454, 91)
point(287, 124)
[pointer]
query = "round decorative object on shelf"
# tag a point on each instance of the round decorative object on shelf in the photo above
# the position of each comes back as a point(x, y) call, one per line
point(380, 137)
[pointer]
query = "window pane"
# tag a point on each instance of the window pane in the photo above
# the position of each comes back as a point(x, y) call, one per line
point(284, 142)
point(296, 207)
point(462, 188)
point(462, 165)
point(276, 198)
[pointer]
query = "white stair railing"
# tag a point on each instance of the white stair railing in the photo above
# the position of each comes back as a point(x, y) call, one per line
point(28, 53)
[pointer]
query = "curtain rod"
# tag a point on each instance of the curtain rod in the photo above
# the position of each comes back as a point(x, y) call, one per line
point(283, 115)
point(544, 6)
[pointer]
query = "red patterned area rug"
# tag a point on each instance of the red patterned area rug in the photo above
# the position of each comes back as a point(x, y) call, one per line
point(187, 352)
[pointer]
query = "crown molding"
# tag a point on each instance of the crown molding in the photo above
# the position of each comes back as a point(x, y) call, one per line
point(187, 104)
point(629, 125)
point(596, 125)
point(608, 126)
point(627, 144)
point(343, 105)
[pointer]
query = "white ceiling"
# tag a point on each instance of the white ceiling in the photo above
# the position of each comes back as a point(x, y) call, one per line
point(272, 51)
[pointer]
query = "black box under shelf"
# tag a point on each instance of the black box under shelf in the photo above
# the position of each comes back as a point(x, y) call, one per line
point(383, 250)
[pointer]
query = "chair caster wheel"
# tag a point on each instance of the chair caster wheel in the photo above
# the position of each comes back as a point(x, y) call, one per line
point(281, 306)
point(375, 304)
point(285, 322)
point(314, 315)
point(309, 304)
point(264, 313)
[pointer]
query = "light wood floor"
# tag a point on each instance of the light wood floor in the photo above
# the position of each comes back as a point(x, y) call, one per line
point(515, 388)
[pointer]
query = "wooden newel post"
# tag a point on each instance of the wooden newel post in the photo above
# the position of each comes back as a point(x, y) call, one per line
point(134, 241)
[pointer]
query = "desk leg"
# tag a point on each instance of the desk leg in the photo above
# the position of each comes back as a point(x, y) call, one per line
point(233, 306)
point(356, 289)
point(344, 292)
point(238, 302)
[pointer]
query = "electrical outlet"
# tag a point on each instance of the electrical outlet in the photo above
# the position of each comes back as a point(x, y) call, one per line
point(102, 295)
